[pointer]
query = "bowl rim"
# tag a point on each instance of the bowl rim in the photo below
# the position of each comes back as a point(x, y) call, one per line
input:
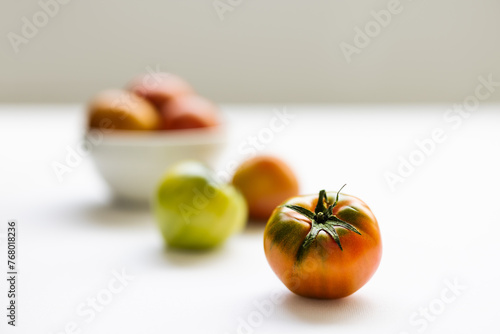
point(181, 137)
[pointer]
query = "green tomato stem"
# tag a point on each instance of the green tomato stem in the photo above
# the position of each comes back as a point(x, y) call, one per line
point(322, 219)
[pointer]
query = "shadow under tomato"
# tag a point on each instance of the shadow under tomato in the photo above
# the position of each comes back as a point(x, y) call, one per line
point(254, 227)
point(349, 309)
point(190, 257)
point(118, 215)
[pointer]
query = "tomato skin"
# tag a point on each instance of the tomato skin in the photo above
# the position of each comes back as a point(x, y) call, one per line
point(325, 271)
point(265, 181)
point(122, 110)
point(159, 88)
point(196, 211)
point(189, 112)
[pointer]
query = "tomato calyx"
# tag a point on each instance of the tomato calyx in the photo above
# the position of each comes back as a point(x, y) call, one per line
point(322, 219)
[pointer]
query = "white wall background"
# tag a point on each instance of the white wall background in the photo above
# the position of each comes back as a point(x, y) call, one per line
point(263, 50)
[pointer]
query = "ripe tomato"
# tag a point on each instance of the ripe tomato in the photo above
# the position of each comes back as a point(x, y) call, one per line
point(326, 247)
point(122, 110)
point(160, 88)
point(265, 181)
point(189, 112)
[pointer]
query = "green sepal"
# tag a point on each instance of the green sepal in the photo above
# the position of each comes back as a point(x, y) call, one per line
point(301, 210)
point(321, 220)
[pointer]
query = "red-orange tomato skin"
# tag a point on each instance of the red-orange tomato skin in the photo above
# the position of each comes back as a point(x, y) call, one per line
point(325, 271)
point(189, 112)
point(160, 88)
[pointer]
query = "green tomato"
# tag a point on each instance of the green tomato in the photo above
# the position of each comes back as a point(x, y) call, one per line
point(196, 211)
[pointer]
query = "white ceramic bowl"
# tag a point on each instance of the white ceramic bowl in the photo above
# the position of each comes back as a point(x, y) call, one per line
point(132, 162)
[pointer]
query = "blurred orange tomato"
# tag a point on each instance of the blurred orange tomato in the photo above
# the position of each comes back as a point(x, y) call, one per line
point(265, 182)
point(122, 110)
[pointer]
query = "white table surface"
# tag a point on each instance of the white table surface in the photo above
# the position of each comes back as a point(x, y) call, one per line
point(442, 224)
